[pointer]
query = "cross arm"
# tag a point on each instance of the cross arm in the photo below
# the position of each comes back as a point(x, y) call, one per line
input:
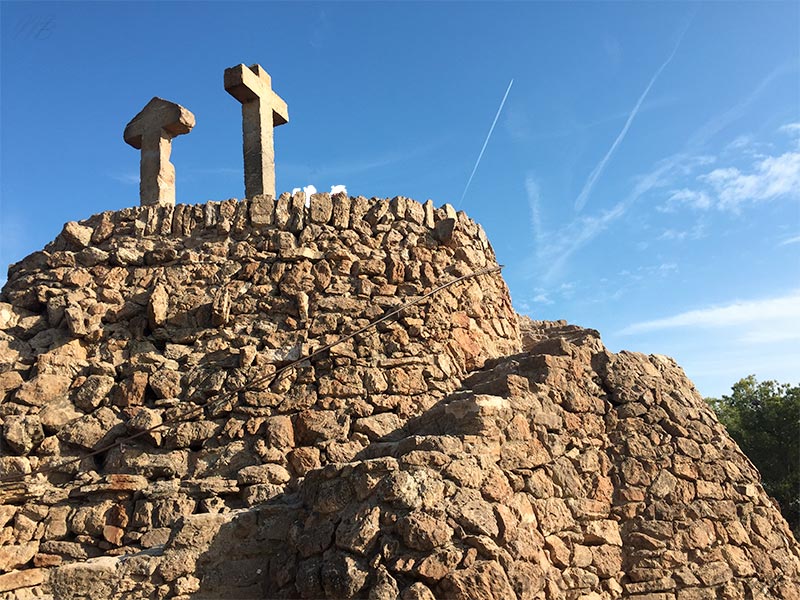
point(244, 85)
point(247, 84)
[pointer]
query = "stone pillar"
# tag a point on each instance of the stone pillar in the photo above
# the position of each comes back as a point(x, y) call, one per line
point(151, 131)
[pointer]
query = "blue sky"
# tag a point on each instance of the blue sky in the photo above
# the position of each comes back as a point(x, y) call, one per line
point(643, 176)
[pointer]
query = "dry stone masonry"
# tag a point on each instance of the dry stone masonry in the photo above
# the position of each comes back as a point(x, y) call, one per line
point(456, 452)
point(127, 318)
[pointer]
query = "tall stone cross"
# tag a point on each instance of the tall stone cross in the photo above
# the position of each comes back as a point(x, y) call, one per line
point(262, 110)
point(151, 131)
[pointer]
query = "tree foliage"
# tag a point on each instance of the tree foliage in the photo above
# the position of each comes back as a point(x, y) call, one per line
point(764, 419)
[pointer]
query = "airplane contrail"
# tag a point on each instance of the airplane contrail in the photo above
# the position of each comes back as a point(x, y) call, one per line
point(491, 129)
point(580, 201)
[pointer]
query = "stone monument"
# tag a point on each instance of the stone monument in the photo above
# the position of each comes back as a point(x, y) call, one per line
point(262, 110)
point(151, 131)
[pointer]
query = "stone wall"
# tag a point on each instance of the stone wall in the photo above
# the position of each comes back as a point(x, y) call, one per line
point(130, 317)
point(425, 458)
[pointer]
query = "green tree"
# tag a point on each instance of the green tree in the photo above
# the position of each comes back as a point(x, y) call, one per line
point(764, 419)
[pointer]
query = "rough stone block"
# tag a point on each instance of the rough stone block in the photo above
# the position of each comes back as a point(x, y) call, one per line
point(22, 579)
point(320, 208)
point(77, 235)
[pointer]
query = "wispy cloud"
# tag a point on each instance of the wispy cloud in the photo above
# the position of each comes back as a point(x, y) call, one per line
point(792, 130)
point(755, 318)
point(486, 141)
point(647, 273)
point(741, 142)
point(532, 191)
point(582, 198)
point(773, 177)
point(791, 240)
point(559, 246)
point(686, 198)
point(541, 298)
point(736, 112)
point(519, 125)
point(728, 188)
point(696, 232)
point(126, 178)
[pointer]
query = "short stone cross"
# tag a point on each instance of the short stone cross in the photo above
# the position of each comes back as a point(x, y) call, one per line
point(152, 131)
point(262, 110)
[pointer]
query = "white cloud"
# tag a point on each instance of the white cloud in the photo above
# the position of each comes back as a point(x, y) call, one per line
point(729, 188)
point(522, 307)
point(532, 190)
point(697, 232)
point(754, 318)
point(311, 189)
point(773, 177)
point(559, 246)
point(307, 190)
point(791, 240)
point(790, 128)
point(570, 239)
point(673, 234)
point(771, 336)
point(743, 141)
point(697, 200)
point(648, 273)
point(126, 178)
point(667, 268)
point(733, 114)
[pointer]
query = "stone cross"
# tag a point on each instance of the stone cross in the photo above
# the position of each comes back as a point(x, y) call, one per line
point(152, 131)
point(262, 110)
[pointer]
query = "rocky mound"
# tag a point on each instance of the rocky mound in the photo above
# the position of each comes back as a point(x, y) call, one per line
point(424, 458)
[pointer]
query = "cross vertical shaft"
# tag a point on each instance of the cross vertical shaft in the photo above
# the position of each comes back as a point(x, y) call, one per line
point(156, 172)
point(259, 149)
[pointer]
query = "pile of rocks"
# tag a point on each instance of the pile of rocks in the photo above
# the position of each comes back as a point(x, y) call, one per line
point(426, 457)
